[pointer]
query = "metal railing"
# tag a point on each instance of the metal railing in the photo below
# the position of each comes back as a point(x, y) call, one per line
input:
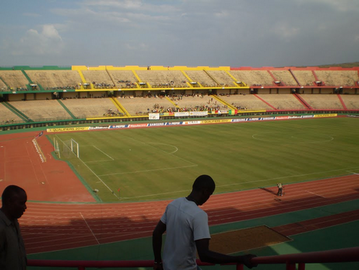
point(289, 260)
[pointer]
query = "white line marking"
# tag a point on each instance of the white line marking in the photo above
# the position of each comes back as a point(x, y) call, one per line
point(89, 228)
point(314, 193)
point(94, 174)
point(103, 152)
point(97, 161)
point(99, 179)
point(175, 147)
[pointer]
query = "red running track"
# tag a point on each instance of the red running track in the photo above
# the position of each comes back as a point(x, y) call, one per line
point(50, 227)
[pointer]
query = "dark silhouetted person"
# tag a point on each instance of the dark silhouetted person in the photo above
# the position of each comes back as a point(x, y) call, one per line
point(187, 230)
point(12, 249)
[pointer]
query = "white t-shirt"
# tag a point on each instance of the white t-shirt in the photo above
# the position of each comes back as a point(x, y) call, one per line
point(185, 223)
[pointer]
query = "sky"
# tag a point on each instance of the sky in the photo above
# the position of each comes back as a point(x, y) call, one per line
point(236, 33)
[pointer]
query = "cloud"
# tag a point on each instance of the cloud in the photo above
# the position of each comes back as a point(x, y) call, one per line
point(41, 43)
point(137, 6)
point(342, 5)
point(285, 31)
point(183, 32)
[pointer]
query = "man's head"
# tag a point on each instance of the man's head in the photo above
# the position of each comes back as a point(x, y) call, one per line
point(14, 202)
point(203, 187)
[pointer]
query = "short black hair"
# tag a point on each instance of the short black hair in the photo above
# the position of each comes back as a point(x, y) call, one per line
point(203, 182)
point(9, 192)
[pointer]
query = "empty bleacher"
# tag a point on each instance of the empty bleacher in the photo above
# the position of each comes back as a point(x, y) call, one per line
point(90, 107)
point(123, 78)
point(7, 116)
point(3, 86)
point(285, 77)
point(325, 102)
point(283, 101)
point(199, 76)
point(351, 101)
point(304, 77)
point(246, 102)
point(15, 79)
point(41, 110)
point(163, 78)
point(99, 78)
point(55, 79)
point(337, 77)
point(222, 78)
point(253, 77)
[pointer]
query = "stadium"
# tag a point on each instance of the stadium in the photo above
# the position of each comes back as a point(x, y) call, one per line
point(102, 150)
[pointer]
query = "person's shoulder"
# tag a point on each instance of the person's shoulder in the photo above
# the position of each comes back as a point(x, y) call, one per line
point(178, 200)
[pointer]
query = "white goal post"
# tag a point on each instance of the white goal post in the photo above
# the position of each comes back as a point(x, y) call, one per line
point(67, 149)
point(56, 147)
point(75, 148)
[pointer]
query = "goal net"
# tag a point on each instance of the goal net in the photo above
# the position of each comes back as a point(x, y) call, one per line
point(66, 149)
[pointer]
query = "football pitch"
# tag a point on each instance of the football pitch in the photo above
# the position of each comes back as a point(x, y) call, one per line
point(162, 162)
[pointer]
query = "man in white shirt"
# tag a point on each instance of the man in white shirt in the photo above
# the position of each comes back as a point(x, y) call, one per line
point(186, 227)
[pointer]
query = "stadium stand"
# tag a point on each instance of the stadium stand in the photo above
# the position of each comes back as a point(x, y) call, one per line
point(253, 77)
point(3, 86)
point(246, 102)
point(100, 79)
point(163, 78)
point(351, 101)
point(143, 106)
point(131, 91)
point(124, 78)
point(54, 80)
point(316, 101)
point(41, 110)
point(304, 77)
point(198, 103)
point(221, 77)
point(15, 79)
point(283, 101)
point(91, 107)
point(335, 78)
point(201, 78)
point(7, 116)
point(285, 77)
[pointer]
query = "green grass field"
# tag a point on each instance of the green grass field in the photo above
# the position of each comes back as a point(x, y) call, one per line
point(161, 163)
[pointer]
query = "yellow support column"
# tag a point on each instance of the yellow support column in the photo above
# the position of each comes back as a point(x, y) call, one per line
point(172, 102)
point(209, 75)
point(235, 80)
point(224, 102)
point(188, 78)
point(119, 106)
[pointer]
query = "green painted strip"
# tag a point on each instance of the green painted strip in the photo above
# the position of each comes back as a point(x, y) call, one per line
point(5, 84)
point(66, 109)
point(27, 76)
point(17, 112)
point(287, 218)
